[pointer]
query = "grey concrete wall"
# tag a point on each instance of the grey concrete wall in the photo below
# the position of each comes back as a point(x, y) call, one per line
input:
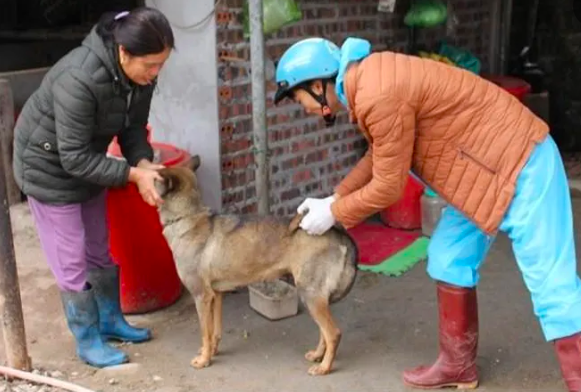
point(185, 107)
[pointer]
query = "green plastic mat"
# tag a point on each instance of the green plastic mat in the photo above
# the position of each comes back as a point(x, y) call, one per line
point(402, 261)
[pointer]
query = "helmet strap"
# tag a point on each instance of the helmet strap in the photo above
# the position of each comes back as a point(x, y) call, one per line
point(328, 115)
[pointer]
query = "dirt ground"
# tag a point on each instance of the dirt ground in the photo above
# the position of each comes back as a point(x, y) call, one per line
point(388, 324)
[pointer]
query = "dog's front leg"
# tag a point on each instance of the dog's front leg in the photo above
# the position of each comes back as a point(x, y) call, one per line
point(319, 309)
point(216, 324)
point(205, 309)
point(217, 315)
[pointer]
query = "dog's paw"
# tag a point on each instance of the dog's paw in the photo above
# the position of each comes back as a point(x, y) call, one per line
point(214, 350)
point(200, 362)
point(318, 370)
point(215, 343)
point(314, 356)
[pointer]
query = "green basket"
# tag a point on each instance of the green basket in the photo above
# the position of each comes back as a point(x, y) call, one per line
point(426, 13)
point(463, 58)
point(276, 14)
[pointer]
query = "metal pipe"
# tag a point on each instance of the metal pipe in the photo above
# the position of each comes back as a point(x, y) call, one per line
point(505, 36)
point(533, 16)
point(38, 379)
point(495, 27)
point(10, 301)
point(257, 63)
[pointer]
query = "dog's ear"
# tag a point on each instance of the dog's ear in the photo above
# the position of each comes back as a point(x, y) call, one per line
point(295, 222)
point(170, 181)
point(194, 163)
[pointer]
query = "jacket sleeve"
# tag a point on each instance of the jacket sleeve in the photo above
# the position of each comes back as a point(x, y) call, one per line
point(359, 176)
point(133, 138)
point(75, 109)
point(393, 136)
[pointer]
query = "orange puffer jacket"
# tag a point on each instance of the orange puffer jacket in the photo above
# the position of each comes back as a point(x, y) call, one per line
point(467, 138)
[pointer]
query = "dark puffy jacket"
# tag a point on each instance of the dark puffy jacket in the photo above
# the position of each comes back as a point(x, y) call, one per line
point(65, 127)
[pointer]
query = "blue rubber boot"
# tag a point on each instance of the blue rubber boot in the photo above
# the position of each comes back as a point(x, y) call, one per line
point(83, 321)
point(113, 325)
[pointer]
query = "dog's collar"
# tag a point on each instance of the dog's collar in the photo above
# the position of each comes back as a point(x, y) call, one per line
point(172, 221)
point(211, 213)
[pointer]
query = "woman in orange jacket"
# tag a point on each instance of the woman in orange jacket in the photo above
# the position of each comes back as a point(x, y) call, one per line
point(482, 151)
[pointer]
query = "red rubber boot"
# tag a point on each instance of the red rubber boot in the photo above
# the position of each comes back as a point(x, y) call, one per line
point(569, 354)
point(456, 364)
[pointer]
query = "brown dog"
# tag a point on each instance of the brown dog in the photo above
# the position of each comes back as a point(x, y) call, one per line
point(217, 253)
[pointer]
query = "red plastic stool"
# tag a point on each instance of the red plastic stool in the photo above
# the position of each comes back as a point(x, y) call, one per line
point(406, 213)
point(149, 279)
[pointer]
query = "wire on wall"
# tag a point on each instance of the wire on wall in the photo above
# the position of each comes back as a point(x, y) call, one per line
point(193, 25)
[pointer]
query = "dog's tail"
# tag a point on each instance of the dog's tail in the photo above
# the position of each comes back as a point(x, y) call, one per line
point(349, 273)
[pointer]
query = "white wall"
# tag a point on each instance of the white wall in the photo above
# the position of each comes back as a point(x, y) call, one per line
point(185, 108)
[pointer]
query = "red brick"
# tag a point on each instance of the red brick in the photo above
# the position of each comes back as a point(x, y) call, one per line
point(302, 176)
point(290, 194)
point(316, 156)
point(280, 150)
point(293, 162)
point(224, 112)
point(314, 187)
point(234, 146)
point(302, 145)
point(250, 209)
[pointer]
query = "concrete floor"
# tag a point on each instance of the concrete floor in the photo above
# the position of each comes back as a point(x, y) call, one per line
point(388, 324)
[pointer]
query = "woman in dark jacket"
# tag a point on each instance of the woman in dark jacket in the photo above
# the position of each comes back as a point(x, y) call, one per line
point(99, 90)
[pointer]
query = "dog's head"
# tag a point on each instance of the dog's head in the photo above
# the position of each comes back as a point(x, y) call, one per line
point(179, 189)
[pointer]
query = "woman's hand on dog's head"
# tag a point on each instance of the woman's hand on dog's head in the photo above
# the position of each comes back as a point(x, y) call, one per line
point(145, 181)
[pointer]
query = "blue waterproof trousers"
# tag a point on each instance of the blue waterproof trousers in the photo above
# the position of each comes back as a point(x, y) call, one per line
point(539, 223)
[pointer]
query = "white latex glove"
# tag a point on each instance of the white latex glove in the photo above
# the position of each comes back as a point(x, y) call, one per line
point(319, 218)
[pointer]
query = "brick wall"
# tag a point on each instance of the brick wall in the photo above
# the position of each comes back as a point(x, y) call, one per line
point(306, 158)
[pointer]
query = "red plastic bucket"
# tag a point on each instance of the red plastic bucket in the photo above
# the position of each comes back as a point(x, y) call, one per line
point(149, 279)
point(406, 213)
point(515, 86)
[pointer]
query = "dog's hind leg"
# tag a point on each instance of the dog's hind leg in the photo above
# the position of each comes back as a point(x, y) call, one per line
point(217, 315)
point(319, 309)
point(205, 309)
point(317, 354)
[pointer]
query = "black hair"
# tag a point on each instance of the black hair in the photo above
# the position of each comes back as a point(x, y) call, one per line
point(141, 31)
point(331, 80)
point(308, 84)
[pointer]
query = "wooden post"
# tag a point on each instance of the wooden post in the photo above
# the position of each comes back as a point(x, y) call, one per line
point(10, 301)
point(7, 140)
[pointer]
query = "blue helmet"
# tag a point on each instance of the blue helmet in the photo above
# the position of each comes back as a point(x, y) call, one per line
point(308, 59)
